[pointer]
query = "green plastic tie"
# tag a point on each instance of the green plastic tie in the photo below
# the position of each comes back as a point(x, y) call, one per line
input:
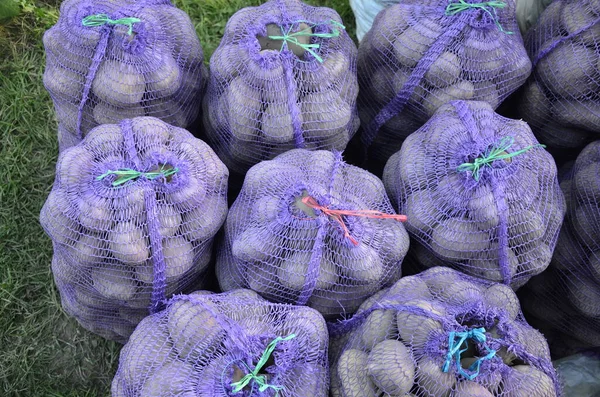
point(103, 19)
point(288, 37)
point(261, 380)
point(127, 174)
point(489, 7)
point(495, 152)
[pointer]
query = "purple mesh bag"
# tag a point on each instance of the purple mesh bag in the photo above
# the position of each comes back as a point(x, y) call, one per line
point(230, 344)
point(439, 334)
point(567, 298)
point(560, 101)
point(479, 193)
point(421, 54)
point(309, 229)
point(132, 216)
point(283, 77)
point(110, 60)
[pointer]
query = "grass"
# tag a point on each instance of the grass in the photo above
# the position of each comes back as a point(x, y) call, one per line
point(42, 351)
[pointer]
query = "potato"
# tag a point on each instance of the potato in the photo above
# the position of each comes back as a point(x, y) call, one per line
point(89, 251)
point(293, 272)
point(482, 207)
point(456, 293)
point(114, 282)
point(416, 329)
point(418, 93)
point(64, 83)
point(470, 389)
point(129, 205)
point(179, 256)
point(243, 109)
point(568, 71)
point(486, 265)
point(458, 239)
point(94, 212)
point(189, 195)
point(316, 77)
point(325, 114)
point(171, 112)
point(411, 284)
point(109, 114)
point(587, 183)
point(484, 55)
point(391, 367)
point(147, 350)
point(381, 85)
point(583, 294)
point(584, 114)
point(266, 43)
point(361, 263)
point(164, 77)
point(265, 73)
point(276, 123)
point(527, 381)
point(128, 243)
point(353, 374)
point(534, 105)
point(377, 327)
point(309, 324)
point(173, 378)
point(118, 83)
point(253, 244)
point(260, 278)
point(576, 18)
point(226, 62)
point(421, 212)
point(444, 71)
point(74, 168)
point(502, 297)
point(169, 220)
point(524, 227)
point(536, 259)
point(488, 92)
point(431, 380)
point(464, 90)
point(265, 210)
point(414, 42)
point(194, 328)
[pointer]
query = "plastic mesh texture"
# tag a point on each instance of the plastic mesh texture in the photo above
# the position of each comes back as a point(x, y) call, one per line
point(399, 341)
point(202, 343)
point(101, 73)
point(416, 58)
point(499, 222)
point(120, 250)
point(567, 297)
point(528, 12)
point(267, 96)
point(292, 253)
point(561, 100)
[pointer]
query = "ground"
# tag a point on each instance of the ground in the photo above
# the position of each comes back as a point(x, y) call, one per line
point(42, 351)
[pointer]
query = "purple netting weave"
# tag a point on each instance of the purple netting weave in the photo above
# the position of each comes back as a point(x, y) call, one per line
point(561, 101)
point(212, 345)
point(439, 334)
point(283, 77)
point(132, 216)
point(279, 243)
point(479, 193)
point(110, 60)
point(419, 55)
point(567, 296)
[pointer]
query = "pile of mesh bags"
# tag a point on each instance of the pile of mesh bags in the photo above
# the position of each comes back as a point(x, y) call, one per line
point(419, 55)
point(132, 216)
point(561, 101)
point(440, 334)
point(110, 60)
point(309, 229)
point(283, 77)
point(480, 194)
point(566, 297)
point(234, 343)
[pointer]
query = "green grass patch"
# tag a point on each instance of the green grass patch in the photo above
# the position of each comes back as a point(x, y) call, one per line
point(43, 352)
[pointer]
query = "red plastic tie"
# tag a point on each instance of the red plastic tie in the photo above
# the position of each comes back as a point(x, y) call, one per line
point(337, 215)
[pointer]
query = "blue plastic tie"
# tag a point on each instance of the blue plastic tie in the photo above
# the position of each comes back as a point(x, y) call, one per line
point(455, 341)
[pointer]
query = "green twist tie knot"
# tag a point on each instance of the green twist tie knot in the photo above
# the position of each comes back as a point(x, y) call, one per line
point(495, 152)
point(103, 19)
point(293, 37)
point(125, 175)
point(261, 380)
point(489, 7)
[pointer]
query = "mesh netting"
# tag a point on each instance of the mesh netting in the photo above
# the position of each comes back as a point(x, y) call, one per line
point(309, 229)
point(283, 77)
point(561, 100)
point(132, 216)
point(440, 334)
point(234, 343)
point(479, 192)
point(418, 56)
point(567, 296)
point(109, 60)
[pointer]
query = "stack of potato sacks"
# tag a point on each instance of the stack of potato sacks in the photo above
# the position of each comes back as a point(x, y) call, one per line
point(564, 300)
point(132, 216)
point(561, 101)
point(283, 77)
point(419, 55)
point(108, 60)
